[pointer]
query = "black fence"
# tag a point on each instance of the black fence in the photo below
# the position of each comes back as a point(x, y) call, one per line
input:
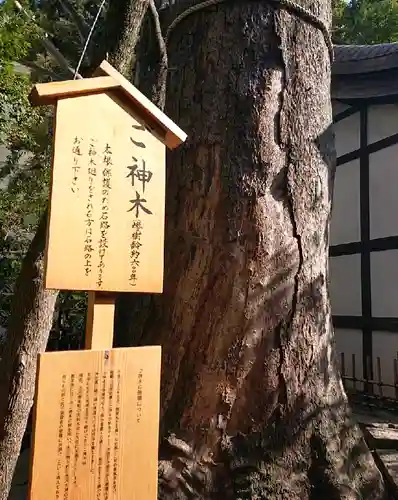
point(376, 386)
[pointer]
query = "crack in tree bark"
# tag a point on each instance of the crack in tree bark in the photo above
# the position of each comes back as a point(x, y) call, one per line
point(296, 278)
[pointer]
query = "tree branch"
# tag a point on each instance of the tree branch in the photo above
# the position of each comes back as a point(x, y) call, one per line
point(123, 30)
point(159, 88)
point(41, 70)
point(50, 47)
point(82, 27)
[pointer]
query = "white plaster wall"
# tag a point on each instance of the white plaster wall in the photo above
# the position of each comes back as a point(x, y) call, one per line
point(383, 192)
point(382, 121)
point(350, 343)
point(345, 285)
point(339, 107)
point(347, 133)
point(345, 225)
point(384, 279)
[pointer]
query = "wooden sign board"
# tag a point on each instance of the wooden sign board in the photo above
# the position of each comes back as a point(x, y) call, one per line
point(106, 218)
point(96, 426)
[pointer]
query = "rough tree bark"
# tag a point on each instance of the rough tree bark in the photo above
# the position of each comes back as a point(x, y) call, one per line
point(27, 335)
point(252, 402)
point(123, 26)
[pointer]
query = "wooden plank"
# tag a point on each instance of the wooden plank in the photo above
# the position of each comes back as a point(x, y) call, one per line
point(107, 79)
point(48, 93)
point(174, 136)
point(107, 202)
point(382, 435)
point(388, 459)
point(100, 320)
point(96, 425)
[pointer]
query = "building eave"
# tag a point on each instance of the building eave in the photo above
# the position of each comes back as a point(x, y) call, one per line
point(359, 59)
point(365, 72)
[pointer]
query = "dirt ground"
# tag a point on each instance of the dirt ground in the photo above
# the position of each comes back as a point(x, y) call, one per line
point(380, 428)
point(19, 490)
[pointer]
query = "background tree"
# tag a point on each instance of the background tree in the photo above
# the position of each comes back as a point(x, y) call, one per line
point(221, 182)
point(17, 132)
point(365, 21)
point(32, 309)
point(24, 174)
point(25, 193)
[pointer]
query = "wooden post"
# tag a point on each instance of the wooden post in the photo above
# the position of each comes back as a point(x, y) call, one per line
point(100, 319)
point(98, 438)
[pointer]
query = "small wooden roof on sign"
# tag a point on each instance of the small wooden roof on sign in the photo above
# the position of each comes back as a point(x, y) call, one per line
point(106, 78)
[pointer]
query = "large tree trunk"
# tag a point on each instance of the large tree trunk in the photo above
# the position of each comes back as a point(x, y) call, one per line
point(252, 402)
point(27, 335)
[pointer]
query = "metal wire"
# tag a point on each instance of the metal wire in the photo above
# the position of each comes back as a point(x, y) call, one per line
point(88, 39)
